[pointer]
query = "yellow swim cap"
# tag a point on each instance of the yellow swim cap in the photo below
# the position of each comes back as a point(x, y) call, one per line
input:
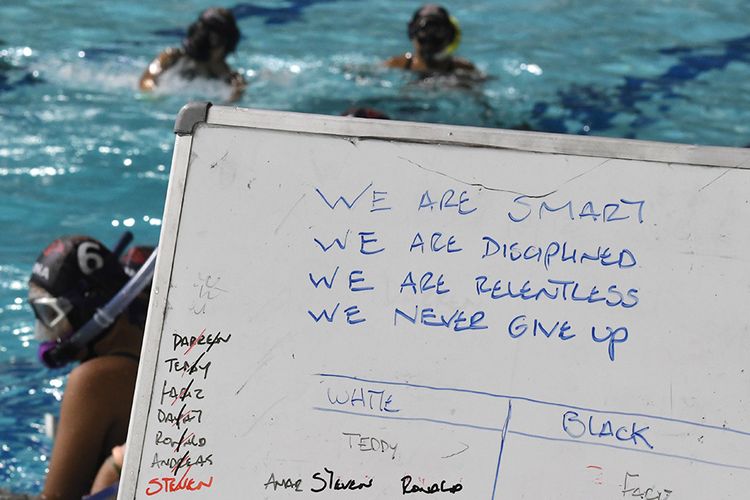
point(450, 49)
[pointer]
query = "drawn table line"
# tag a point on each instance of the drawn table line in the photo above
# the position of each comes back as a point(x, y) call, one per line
point(505, 430)
point(504, 435)
point(536, 401)
point(530, 435)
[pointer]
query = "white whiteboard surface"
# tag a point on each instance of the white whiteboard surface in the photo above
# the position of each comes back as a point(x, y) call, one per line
point(289, 247)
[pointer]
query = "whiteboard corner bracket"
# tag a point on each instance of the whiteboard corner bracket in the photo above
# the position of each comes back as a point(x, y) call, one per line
point(191, 115)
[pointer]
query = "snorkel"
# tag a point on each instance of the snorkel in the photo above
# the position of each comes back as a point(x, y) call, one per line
point(57, 353)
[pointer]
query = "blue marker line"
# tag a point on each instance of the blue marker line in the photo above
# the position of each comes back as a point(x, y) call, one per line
point(346, 202)
point(502, 446)
point(537, 401)
point(650, 452)
point(410, 419)
point(505, 431)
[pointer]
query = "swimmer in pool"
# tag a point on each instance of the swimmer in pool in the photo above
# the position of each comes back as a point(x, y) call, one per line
point(203, 54)
point(72, 279)
point(435, 35)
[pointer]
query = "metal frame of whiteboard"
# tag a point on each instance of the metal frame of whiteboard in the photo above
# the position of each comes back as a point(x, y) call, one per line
point(356, 129)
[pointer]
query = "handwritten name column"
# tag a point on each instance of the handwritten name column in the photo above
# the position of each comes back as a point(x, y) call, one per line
point(185, 460)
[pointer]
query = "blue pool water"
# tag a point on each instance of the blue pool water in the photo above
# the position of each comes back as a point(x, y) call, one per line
point(82, 151)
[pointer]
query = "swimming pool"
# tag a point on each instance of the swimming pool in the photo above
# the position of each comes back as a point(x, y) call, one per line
point(81, 151)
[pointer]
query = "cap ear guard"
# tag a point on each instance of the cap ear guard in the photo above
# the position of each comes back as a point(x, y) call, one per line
point(451, 48)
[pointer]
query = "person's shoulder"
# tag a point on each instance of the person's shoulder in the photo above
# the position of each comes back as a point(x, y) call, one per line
point(459, 63)
point(165, 60)
point(100, 374)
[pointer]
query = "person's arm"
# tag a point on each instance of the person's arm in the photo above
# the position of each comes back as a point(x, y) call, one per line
point(76, 454)
point(164, 61)
point(110, 471)
point(238, 84)
point(399, 62)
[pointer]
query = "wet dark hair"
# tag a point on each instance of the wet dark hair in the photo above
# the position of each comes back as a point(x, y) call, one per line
point(214, 27)
point(432, 14)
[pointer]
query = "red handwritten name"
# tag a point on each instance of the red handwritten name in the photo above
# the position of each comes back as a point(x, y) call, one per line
point(171, 484)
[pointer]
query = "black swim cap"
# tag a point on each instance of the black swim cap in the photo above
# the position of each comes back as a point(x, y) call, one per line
point(434, 21)
point(81, 268)
point(215, 27)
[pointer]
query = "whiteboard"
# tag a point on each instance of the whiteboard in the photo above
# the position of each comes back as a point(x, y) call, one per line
point(374, 309)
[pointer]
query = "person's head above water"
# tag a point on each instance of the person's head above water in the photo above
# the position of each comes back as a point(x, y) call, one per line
point(435, 35)
point(72, 278)
point(434, 31)
point(213, 34)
